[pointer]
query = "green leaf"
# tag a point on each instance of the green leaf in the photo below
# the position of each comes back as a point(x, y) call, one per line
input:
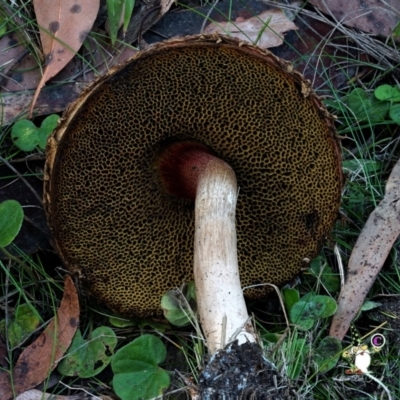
point(271, 337)
point(114, 11)
point(27, 136)
point(370, 305)
point(387, 92)
point(45, 130)
point(357, 98)
point(136, 372)
point(367, 166)
point(144, 323)
point(394, 113)
point(300, 314)
point(128, 11)
point(310, 309)
point(396, 94)
point(177, 305)
point(88, 358)
point(327, 354)
point(366, 107)
point(334, 104)
point(11, 217)
point(325, 273)
point(24, 322)
point(290, 298)
point(120, 322)
point(24, 135)
point(384, 92)
point(3, 26)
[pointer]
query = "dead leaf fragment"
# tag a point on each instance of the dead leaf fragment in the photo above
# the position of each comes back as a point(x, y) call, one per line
point(37, 361)
point(38, 395)
point(369, 254)
point(266, 29)
point(371, 16)
point(64, 25)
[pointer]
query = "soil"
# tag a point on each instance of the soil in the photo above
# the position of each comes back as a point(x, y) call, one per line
point(241, 371)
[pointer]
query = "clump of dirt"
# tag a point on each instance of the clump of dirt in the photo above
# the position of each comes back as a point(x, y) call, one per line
point(241, 371)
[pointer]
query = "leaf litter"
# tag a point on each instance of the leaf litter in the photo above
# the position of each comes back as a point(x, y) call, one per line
point(63, 25)
point(265, 30)
point(56, 99)
point(37, 361)
point(371, 16)
point(369, 254)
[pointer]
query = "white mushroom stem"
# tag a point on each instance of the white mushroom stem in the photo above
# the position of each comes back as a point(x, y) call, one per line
point(222, 309)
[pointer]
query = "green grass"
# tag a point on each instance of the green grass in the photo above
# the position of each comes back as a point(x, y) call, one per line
point(370, 149)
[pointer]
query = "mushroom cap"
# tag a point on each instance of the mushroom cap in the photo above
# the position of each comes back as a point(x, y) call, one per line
point(126, 237)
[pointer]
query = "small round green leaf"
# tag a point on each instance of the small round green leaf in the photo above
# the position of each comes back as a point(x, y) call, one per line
point(24, 135)
point(176, 305)
point(88, 358)
point(136, 372)
point(24, 322)
point(311, 308)
point(301, 314)
point(290, 298)
point(396, 94)
point(28, 136)
point(384, 92)
point(366, 107)
point(11, 217)
point(327, 354)
point(394, 113)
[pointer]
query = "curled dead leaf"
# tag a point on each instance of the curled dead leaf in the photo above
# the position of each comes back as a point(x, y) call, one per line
point(266, 29)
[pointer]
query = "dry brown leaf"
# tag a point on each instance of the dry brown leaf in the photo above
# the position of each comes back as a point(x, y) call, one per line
point(37, 361)
point(371, 16)
point(165, 5)
point(369, 254)
point(265, 29)
point(64, 25)
point(38, 395)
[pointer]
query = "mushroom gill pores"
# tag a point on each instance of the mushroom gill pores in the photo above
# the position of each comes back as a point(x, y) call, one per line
point(131, 241)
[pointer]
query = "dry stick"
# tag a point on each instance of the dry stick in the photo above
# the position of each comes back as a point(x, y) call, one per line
point(369, 254)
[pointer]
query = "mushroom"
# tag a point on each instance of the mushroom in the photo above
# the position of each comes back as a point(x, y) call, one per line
point(182, 121)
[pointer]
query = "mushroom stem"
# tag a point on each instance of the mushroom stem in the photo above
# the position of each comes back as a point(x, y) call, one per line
point(222, 309)
point(189, 170)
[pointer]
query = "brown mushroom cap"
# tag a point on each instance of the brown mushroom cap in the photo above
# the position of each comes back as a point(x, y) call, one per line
point(130, 240)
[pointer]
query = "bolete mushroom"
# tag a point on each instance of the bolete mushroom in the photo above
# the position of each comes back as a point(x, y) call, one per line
point(120, 179)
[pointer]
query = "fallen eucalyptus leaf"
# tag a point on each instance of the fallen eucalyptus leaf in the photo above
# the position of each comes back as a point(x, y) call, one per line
point(369, 254)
